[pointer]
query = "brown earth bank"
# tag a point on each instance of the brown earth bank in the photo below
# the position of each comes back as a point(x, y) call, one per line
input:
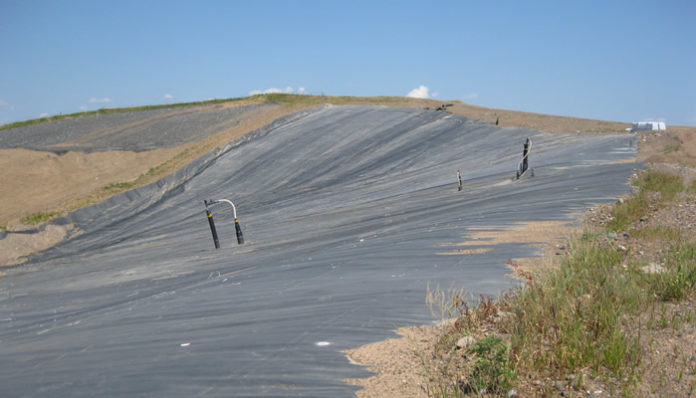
point(38, 181)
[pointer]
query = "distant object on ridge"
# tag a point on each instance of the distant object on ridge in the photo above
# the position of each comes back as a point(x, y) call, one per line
point(648, 126)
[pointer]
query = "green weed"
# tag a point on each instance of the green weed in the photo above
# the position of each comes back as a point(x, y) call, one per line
point(680, 279)
point(491, 371)
point(626, 213)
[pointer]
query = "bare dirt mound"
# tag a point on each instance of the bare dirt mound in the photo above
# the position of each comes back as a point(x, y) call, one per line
point(37, 181)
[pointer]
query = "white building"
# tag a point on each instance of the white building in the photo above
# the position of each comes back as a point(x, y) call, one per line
point(648, 126)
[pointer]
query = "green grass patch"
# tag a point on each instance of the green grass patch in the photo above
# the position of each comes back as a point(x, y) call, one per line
point(671, 148)
point(40, 217)
point(668, 185)
point(680, 279)
point(659, 232)
point(118, 186)
point(626, 213)
point(573, 319)
point(631, 210)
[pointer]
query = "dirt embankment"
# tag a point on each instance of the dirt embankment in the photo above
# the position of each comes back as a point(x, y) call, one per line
point(37, 181)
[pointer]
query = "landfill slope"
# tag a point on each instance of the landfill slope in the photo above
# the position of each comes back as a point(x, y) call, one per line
point(129, 131)
point(344, 211)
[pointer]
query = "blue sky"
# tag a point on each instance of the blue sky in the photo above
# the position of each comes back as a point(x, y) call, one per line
point(612, 60)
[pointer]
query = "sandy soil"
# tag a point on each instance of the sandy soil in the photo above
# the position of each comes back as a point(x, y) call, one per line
point(396, 362)
point(36, 181)
point(17, 246)
point(550, 236)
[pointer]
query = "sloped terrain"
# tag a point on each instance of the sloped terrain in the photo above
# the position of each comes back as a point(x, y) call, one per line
point(345, 212)
point(128, 131)
point(68, 163)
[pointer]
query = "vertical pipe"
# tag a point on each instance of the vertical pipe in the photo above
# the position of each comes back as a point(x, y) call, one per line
point(238, 228)
point(525, 156)
point(212, 228)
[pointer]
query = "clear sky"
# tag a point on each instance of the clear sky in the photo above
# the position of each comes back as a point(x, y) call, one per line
point(612, 60)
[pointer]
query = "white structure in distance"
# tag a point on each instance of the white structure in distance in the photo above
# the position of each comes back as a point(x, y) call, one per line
point(648, 126)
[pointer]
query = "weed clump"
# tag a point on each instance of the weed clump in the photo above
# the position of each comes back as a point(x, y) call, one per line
point(680, 278)
point(491, 371)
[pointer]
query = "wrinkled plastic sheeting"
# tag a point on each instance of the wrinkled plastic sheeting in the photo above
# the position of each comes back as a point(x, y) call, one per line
point(344, 210)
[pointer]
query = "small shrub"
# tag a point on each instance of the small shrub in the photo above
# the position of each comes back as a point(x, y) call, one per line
point(491, 370)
